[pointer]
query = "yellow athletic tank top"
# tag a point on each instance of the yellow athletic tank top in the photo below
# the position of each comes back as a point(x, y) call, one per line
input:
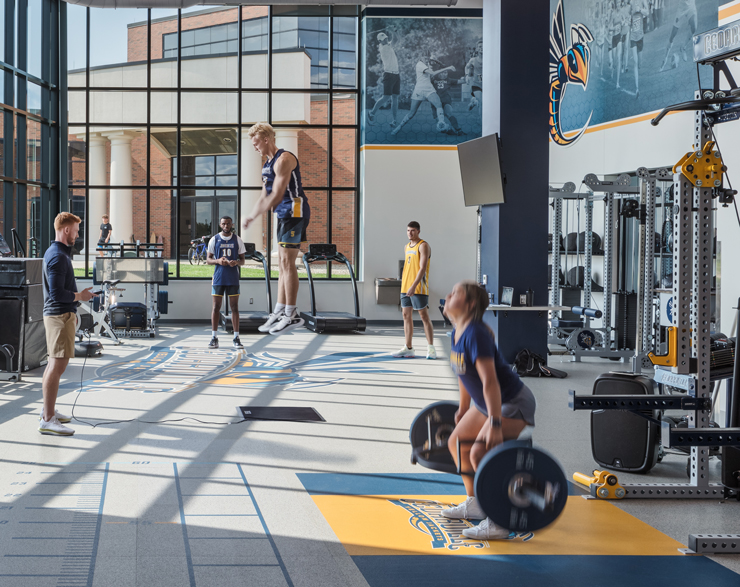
point(411, 270)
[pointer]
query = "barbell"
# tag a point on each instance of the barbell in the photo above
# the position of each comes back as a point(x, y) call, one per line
point(520, 487)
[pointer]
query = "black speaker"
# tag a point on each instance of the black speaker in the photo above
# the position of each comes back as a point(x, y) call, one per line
point(128, 316)
point(623, 441)
point(34, 336)
point(18, 272)
point(34, 296)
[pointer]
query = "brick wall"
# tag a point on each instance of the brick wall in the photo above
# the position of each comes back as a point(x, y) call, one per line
point(137, 35)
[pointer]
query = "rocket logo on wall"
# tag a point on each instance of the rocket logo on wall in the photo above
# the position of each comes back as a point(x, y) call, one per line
point(568, 65)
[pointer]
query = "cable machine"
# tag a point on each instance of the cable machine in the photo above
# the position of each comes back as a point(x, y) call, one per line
point(697, 182)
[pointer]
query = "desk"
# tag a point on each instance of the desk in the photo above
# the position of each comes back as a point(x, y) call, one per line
point(539, 309)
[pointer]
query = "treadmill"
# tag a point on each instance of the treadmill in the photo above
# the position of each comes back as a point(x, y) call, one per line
point(330, 321)
point(249, 321)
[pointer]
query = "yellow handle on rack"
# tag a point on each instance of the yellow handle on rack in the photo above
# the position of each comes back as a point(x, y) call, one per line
point(671, 359)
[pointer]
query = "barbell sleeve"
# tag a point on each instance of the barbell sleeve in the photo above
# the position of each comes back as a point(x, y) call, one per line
point(590, 312)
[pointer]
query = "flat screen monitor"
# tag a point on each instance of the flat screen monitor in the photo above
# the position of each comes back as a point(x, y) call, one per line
point(480, 168)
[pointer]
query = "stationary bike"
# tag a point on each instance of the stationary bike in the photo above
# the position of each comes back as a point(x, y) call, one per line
point(93, 319)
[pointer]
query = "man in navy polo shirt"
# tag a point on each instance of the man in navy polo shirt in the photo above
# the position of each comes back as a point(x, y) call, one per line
point(60, 318)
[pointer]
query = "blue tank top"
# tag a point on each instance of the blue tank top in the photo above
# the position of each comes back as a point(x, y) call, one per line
point(294, 203)
point(230, 249)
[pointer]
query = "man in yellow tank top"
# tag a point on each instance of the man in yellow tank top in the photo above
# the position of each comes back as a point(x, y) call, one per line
point(415, 291)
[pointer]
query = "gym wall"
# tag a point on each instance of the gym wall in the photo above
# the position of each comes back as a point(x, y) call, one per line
point(623, 144)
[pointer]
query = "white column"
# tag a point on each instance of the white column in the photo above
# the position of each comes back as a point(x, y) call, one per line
point(286, 139)
point(251, 177)
point(98, 204)
point(121, 201)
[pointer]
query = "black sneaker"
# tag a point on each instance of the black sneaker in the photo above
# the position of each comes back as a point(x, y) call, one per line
point(238, 343)
point(214, 343)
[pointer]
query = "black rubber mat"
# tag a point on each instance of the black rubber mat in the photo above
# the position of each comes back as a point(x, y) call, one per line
point(282, 413)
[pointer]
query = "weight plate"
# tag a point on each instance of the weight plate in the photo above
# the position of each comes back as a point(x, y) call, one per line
point(442, 425)
point(499, 470)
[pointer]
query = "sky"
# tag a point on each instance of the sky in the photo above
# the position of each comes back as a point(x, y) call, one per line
point(108, 33)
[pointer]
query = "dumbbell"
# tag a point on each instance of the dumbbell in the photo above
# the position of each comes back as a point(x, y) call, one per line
point(518, 486)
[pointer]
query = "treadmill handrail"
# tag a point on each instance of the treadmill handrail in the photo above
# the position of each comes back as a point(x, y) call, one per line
point(257, 256)
point(340, 258)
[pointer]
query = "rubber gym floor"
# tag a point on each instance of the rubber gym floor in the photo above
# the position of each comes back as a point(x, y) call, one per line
point(336, 503)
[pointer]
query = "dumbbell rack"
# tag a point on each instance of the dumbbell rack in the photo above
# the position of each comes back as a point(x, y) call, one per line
point(693, 233)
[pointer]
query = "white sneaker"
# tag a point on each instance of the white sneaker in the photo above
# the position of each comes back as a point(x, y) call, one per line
point(59, 416)
point(404, 353)
point(468, 510)
point(270, 322)
point(486, 530)
point(431, 353)
point(54, 426)
point(286, 324)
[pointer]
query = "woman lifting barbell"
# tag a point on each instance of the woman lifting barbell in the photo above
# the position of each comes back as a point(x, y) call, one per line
point(504, 406)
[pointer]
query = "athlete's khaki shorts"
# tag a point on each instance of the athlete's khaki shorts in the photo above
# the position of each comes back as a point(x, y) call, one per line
point(60, 335)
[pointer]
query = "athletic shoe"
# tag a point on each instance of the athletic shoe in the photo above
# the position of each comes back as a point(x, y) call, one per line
point(58, 415)
point(404, 353)
point(214, 343)
point(431, 353)
point(486, 530)
point(394, 124)
point(270, 322)
point(54, 426)
point(468, 510)
point(396, 130)
point(238, 343)
point(286, 324)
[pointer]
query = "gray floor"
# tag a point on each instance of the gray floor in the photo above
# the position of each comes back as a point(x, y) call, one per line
point(183, 503)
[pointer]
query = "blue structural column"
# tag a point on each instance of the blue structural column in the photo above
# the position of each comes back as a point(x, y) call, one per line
point(516, 105)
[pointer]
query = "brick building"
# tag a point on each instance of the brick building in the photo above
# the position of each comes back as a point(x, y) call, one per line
point(208, 182)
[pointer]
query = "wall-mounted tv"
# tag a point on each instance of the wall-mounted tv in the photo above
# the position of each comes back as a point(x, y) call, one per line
point(480, 168)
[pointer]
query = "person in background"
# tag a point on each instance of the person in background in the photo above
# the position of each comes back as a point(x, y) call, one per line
point(415, 292)
point(106, 229)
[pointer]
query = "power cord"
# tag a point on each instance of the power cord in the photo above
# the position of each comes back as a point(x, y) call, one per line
point(716, 142)
point(106, 421)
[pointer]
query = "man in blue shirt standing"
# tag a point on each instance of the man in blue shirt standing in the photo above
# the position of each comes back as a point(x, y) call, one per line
point(226, 251)
point(60, 318)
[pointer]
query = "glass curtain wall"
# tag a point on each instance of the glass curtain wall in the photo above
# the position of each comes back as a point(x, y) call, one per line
point(160, 102)
point(29, 122)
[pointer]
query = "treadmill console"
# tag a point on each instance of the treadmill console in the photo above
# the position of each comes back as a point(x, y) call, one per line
point(249, 249)
point(322, 250)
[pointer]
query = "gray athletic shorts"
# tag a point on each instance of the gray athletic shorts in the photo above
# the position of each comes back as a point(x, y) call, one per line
point(520, 407)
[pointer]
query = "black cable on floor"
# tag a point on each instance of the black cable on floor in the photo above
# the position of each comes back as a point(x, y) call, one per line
point(106, 421)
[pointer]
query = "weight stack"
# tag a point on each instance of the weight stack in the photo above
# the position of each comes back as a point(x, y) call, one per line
point(626, 320)
point(33, 333)
point(623, 441)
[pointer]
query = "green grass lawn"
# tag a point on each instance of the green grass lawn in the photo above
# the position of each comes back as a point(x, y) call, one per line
point(206, 272)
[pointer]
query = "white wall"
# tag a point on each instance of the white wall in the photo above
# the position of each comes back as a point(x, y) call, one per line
point(639, 144)
point(400, 185)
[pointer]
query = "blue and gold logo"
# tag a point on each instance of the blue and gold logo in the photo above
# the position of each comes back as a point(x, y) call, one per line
point(457, 362)
point(175, 369)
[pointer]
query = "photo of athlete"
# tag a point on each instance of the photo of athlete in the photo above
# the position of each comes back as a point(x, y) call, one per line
point(474, 73)
point(686, 14)
point(424, 90)
point(442, 83)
